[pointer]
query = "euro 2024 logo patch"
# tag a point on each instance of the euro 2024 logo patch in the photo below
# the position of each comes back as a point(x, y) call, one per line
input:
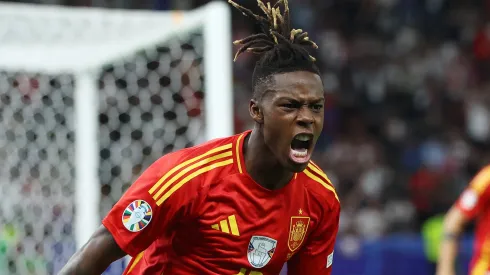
point(260, 250)
point(137, 215)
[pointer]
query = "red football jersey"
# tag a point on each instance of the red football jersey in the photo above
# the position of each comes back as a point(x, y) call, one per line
point(197, 211)
point(474, 202)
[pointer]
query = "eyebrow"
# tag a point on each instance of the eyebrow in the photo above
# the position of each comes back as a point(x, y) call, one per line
point(317, 100)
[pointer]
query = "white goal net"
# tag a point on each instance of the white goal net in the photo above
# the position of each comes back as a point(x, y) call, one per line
point(88, 99)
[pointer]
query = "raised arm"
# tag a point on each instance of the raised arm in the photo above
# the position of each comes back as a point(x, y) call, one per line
point(95, 256)
point(454, 223)
point(468, 206)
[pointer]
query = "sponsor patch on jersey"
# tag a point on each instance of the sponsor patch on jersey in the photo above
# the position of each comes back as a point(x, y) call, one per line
point(330, 260)
point(260, 250)
point(469, 200)
point(137, 215)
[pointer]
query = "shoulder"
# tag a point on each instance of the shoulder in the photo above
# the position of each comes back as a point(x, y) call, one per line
point(196, 161)
point(319, 186)
point(204, 152)
point(187, 169)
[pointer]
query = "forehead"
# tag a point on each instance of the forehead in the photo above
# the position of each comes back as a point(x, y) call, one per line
point(300, 85)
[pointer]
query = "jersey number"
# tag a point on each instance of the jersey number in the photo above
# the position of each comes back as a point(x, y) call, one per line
point(243, 271)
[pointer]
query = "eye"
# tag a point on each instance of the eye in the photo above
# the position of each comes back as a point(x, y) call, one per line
point(290, 105)
point(317, 107)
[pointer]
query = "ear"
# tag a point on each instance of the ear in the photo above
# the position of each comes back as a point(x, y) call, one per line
point(256, 111)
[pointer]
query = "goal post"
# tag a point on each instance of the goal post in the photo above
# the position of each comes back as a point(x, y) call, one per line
point(51, 42)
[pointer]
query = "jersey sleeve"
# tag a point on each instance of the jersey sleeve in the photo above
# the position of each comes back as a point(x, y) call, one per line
point(316, 256)
point(476, 194)
point(156, 200)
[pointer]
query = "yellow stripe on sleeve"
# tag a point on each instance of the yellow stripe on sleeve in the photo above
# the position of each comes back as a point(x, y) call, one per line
point(191, 176)
point(321, 181)
point(319, 172)
point(176, 168)
point(314, 164)
point(189, 168)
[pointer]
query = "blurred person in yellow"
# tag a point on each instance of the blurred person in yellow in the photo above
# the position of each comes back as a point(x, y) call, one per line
point(432, 235)
point(474, 203)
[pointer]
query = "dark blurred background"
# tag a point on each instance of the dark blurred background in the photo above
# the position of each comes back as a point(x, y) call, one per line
point(407, 120)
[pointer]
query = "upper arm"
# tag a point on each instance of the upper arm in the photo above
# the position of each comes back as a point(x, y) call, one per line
point(102, 243)
point(158, 198)
point(316, 256)
point(454, 221)
point(96, 255)
point(472, 200)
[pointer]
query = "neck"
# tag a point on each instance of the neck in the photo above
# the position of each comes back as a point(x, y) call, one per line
point(262, 165)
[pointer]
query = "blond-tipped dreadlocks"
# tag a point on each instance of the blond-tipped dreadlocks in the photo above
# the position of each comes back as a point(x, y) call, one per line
point(281, 48)
point(276, 29)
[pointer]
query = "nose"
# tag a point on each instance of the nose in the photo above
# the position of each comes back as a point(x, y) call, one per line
point(305, 117)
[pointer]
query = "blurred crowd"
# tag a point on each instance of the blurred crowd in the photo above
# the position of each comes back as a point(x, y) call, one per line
point(407, 115)
point(407, 119)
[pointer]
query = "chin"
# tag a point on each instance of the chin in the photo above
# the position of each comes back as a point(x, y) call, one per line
point(296, 167)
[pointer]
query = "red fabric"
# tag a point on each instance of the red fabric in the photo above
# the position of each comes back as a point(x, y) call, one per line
point(474, 202)
point(422, 186)
point(192, 232)
point(481, 46)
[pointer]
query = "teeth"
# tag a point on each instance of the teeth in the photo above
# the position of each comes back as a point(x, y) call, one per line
point(300, 154)
point(303, 137)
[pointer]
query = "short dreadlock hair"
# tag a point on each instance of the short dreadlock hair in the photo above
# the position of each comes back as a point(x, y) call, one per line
point(281, 48)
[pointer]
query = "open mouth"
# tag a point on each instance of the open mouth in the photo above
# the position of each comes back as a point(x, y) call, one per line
point(301, 148)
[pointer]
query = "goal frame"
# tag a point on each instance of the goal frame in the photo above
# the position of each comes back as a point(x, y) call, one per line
point(85, 61)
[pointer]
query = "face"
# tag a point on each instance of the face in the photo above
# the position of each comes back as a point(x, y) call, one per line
point(290, 115)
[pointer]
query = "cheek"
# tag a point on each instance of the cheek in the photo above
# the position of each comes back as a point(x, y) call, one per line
point(271, 130)
point(320, 122)
point(275, 130)
point(275, 141)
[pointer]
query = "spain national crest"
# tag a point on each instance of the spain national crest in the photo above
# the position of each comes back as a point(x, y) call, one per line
point(260, 250)
point(137, 215)
point(297, 231)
